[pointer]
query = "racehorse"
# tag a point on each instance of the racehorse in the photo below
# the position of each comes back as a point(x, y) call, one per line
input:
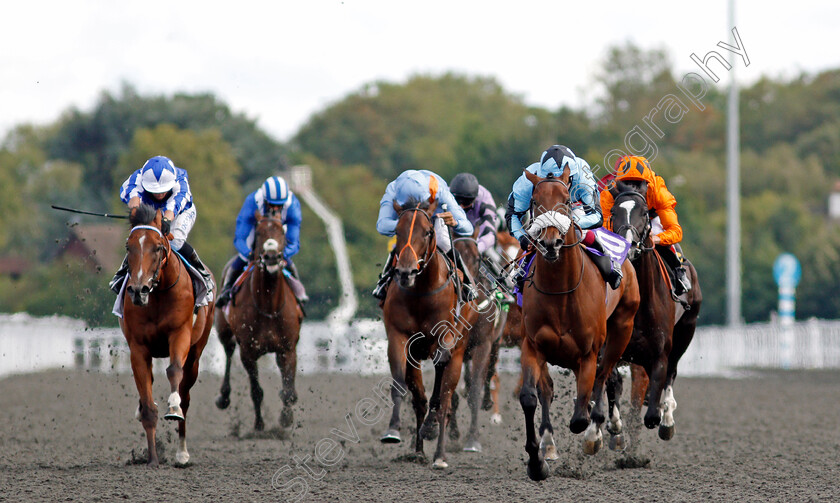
point(663, 327)
point(262, 317)
point(159, 322)
point(569, 316)
point(423, 321)
point(482, 334)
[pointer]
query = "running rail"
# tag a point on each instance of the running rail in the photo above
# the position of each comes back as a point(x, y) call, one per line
point(340, 317)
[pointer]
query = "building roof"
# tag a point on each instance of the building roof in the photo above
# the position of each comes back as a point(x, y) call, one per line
point(103, 241)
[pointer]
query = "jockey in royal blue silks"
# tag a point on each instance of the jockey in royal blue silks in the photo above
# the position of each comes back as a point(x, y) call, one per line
point(162, 185)
point(419, 186)
point(274, 193)
point(585, 204)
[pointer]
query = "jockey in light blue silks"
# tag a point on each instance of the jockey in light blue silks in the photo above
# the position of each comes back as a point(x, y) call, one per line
point(422, 185)
point(584, 198)
point(162, 185)
point(274, 193)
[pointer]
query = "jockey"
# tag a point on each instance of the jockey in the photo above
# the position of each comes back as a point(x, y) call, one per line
point(420, 186)
point(162, 185)
point(273, 194)
point(586, 213)
point(478, 204)
point(665, 228)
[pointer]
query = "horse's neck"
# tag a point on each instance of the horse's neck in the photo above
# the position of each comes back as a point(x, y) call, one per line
point(649, 274)
point(435, 273)
point(264, 282)
point(564, 273)
point(170, 272)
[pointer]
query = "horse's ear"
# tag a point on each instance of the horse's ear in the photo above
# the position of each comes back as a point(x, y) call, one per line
point(258, 215)
point(432, 207)
point(534, 179)
point(397, 207)
point(158, 218)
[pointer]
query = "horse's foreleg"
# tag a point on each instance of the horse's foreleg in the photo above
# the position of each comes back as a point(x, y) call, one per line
point(287, 362)
point(478, 371)
point(414, 381)
point(250, 363)
point(545, 393)
point(397, 349)
point(179, 347)
point(585, 376)
point(657, 382)
point(229, 345)
point(615, 426)
point(190, 376)
point(537, 467)
point(450, 375)
point(639, 382)
point(430, 428)
point(141, 368)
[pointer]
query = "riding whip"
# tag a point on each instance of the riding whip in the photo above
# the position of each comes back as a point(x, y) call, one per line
point(71, 210)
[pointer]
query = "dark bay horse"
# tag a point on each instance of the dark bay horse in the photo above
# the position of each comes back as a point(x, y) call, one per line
point(158, 322)
point(263, 317)
point(571, 318)
point(422, 321)
point(663, 328)
point(486, 329)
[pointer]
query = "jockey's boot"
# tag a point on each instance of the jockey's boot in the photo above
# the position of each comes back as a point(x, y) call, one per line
point(467, 291)
point(609, 270)
point(495, 268)
point(385, 276)
point(189, 253)
point(116, 283)
point(226, 293)
point(683, 283)
point(295, 283)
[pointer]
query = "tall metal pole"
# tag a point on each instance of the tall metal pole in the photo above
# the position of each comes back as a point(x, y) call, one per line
point(733, 241)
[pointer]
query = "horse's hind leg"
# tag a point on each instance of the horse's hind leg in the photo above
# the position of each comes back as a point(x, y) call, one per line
point(479, 370)
point(450, 375)
point(414, 381)
point(141, 368)
point(287, 362)
point(190, 376)
point(399, 369)
point(615, 386)
point(250, 364)
point(545, 392)
point(229, 345)
point(537, 467)
point(683, 334)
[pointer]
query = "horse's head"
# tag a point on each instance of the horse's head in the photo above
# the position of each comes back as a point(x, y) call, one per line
point(147, 250)
point(269, 241)
point(416, 239)
point(630, 217)
point(551, 213)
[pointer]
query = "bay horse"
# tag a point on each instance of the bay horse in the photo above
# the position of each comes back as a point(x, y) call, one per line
point(423, 321)
point(486, 329)
point(570, 318)
point(663, 328)
point(158, 322)
point(262, 317)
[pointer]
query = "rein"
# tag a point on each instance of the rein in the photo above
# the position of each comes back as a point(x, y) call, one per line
point(424, 262)
point(263, 266)
point(161, 261)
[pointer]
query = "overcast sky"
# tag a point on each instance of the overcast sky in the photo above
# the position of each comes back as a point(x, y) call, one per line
point(278, 62)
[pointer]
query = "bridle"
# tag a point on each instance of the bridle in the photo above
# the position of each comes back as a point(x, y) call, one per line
point(551, 179)
point(638, 238)
point(162, 259)
point(263, 264)
point(261, 259)
point(422, 263)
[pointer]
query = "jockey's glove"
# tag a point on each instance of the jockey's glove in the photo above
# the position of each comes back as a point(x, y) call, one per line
point(524, 242)
point(165, 226)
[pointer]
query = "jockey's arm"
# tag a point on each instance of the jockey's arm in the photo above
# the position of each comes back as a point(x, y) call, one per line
point(386, 224)
point(245, 223)
point(486, 227)
point(130, 190)
point(463, 226)
point(665, 205)
point(293, 220)
point(606, 208)
point(584, 191)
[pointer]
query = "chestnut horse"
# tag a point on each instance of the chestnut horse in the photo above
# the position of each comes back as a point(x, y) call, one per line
point(486, 329)
point(663, 328)
point(158, 322)
point(423, 321)
point(569, 316)
point(262, 317)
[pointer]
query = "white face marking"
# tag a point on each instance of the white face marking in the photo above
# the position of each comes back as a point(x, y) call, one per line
point(271, 245)
point(273, 268)
point(140, 242)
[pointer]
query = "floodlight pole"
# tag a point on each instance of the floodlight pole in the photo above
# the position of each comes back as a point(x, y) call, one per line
point(733, 241)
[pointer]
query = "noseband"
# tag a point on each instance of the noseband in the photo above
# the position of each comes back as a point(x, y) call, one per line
point(421, 262)
point(261, 261)
point(566, 204)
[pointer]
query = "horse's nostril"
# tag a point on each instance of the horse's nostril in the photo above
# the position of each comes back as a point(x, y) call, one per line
point(145, 289)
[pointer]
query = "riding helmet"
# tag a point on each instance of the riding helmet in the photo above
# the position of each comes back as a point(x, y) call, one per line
point(158, 175)
point(276, 190)
point(465, 188)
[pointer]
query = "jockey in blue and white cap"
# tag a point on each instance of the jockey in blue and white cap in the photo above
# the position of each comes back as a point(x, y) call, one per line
point(164, 186)
point(421, 185)
point(274, 192)
point(583, 194)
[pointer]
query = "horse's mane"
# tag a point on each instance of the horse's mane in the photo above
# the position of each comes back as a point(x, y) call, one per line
point(143, 215)
point(415, 203)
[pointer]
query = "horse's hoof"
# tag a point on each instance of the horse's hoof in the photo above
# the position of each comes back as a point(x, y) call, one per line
point(174, 414)
point(578, 425)
point(666, 432)
point(592, 448)
point(429, 431)
point(538, 473)
point(440, 464)
point(391, 437)
point(182, 458)
point(472, 446)
point(496, 419)
point(286, 417)
point(652, 420)
point(454, 433)
point(548, 447)
point(222, 402)
point(259, 425)
point(487, 404)
point(617, 443)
